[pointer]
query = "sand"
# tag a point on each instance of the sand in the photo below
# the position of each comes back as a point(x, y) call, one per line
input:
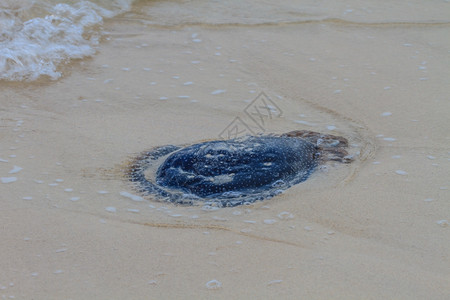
point(375, 229)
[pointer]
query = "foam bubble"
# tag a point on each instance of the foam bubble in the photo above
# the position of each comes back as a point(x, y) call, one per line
point(111, 209)
point(401, 172)
point(8, 179)
point(217, 92)
point(213, 284)
point(15, 169)
point(131, 196)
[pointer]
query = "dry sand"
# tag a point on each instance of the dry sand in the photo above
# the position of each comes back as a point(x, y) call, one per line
point(373, 230)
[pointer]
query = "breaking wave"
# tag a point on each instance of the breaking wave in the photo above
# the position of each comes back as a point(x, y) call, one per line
point(37, 38)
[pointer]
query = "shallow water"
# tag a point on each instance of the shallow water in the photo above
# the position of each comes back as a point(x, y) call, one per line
point(115, 79)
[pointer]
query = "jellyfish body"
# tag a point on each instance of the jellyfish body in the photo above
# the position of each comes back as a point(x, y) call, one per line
point(238, 167)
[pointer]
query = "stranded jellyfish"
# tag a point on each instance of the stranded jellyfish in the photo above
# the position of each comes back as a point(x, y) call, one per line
point(226, 173)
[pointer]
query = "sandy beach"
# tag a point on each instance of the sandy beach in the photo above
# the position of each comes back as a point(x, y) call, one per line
point(377, 228)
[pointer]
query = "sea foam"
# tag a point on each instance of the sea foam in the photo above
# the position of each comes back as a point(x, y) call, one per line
point(37, 39)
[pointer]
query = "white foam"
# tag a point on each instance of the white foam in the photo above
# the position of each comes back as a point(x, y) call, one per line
point(31, 47)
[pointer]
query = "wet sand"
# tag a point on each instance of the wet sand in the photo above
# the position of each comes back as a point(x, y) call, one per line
point(375, 229)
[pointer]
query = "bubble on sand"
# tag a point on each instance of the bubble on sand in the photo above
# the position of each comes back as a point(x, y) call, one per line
point(8, 179)
point(15, 169)
point(131, 196)
point(111, 209)
point(285, 215)
point(401, 172)
point(217, 92)
point(442, 223)
point(276, 281)
point(270, 221)
point(213, 284)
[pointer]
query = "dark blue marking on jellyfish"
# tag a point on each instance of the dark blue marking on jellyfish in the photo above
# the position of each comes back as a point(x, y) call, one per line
point(233, 172)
